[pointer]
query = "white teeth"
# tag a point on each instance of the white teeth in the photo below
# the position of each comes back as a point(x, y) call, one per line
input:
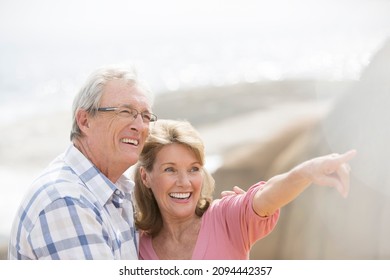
point(130, 141)
point(180, 195)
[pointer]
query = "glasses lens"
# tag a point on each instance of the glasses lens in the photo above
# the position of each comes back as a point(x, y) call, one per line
point(127, 112)
point(148, 117)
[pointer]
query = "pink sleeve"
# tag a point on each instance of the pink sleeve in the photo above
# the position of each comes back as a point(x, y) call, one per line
point(244, 226)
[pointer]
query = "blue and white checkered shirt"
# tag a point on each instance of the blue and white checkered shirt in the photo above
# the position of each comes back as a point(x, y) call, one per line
point(74, 212)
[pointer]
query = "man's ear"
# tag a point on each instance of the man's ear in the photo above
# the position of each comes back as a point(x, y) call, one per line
point(82, 118)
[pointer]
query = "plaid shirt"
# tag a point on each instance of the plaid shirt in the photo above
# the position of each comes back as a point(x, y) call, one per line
point(74, 212)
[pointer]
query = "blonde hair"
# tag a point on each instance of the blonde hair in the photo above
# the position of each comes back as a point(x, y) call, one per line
point(165, 132)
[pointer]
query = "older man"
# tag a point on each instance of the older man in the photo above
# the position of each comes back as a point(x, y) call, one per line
point(80, 207)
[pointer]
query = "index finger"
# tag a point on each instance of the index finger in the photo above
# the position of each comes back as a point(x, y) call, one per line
point(347, 156)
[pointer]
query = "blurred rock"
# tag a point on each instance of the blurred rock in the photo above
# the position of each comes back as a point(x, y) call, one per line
point(3, 247)
point(320, 224)
point(360, 120)
point(210, 105)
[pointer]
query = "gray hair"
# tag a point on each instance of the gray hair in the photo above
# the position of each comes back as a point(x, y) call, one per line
point(89, 96)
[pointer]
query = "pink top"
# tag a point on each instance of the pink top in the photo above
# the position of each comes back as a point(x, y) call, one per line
point(229, 229)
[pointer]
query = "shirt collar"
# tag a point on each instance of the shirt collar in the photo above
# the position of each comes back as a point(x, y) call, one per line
point(93, 178)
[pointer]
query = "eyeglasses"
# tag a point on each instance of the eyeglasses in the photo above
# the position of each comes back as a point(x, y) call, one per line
point(127, 112)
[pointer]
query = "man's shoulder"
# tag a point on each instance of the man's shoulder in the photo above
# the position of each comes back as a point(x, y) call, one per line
point(57, 181)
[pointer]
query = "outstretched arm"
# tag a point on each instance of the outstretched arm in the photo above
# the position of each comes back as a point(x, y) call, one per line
point(330, 170)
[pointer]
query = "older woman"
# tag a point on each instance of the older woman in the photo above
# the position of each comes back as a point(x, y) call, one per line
point(174, 208)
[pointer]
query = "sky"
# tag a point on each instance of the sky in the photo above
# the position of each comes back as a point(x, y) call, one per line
point(46, 45)
point(36, 20)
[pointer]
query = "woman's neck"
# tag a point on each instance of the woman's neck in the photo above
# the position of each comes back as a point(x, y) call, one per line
point(177, 240)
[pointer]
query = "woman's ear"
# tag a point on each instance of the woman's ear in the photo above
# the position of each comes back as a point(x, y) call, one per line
point(144, 176)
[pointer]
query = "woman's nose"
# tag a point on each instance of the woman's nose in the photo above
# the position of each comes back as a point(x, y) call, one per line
point(183, 179)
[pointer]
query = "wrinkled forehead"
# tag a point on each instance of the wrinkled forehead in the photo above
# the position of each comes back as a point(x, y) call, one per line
point(122, 92)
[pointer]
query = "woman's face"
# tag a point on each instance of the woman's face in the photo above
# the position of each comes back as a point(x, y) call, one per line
point(176, 181)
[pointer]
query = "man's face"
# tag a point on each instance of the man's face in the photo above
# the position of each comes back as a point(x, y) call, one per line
point(114, 141)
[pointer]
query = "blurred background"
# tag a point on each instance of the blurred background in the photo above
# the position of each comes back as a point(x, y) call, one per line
point(267, 83)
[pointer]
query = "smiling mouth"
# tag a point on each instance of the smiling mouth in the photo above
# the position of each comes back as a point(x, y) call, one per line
point(133, 142)
point(186, 195)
